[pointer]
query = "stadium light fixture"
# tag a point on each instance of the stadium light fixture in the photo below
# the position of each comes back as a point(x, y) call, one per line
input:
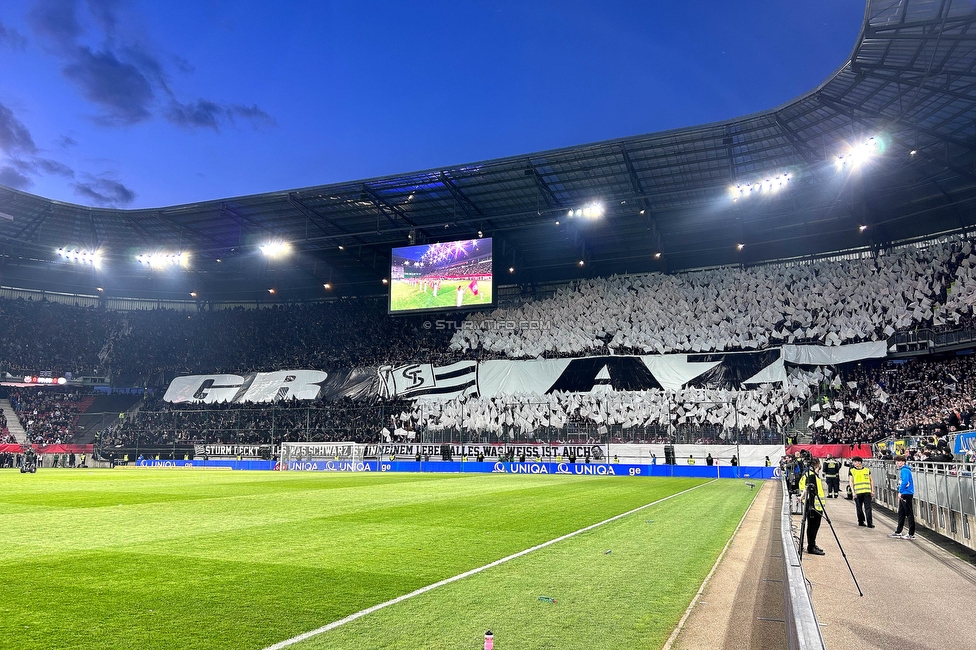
point(657, 256)
point(93, 258)
point(385, 281)
point(511, 269)
point(582, 263)
point(99, 289)
point(193, 294)
point(858, 154)
point(271, 291)
point(327, 286)
point(862, 228)
point(593, 210)
point(162, 260)
point(341, 247)
point(912, 152)
point(276, 249)
point(739, 247)
point(767, 185)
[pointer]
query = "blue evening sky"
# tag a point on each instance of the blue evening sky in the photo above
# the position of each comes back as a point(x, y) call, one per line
point(133, 103)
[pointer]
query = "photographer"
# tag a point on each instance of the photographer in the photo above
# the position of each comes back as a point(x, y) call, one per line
point(811, 487)
point(791, 470)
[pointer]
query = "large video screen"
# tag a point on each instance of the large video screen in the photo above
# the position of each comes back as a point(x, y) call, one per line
point(441, 277)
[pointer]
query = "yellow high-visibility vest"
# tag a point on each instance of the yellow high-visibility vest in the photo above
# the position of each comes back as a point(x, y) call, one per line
point(861, 480)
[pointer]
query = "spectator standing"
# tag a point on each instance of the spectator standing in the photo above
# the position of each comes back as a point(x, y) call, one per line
point(906, 497)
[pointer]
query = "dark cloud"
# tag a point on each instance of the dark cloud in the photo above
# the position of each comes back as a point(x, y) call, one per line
point(118, 87)
point(252, 114)
point(105, 192)
point(66, 141)
point(125, 78)
point(10, 37)
point(55, 21)
point(105, 12)
point(13, 178)
point(14, 136)
point(183, 65)
point(201, 113)
point(54, 167)
point(204, 113)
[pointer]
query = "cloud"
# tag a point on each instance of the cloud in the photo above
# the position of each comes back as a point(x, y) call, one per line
point(105, 192)
point(66, 141)
point(54, 167)
point(56, 21)
point(14, 136)
point(118, 87)
point(253, 114)
point(201, 113)
point(12, 38)
point(204, 113)
point(105, 13)
point(13, 178)
point(124, 78)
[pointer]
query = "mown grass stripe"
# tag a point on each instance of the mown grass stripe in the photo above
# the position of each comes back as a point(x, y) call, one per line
point(369, 610)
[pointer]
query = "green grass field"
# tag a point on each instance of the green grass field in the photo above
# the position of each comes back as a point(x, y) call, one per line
point(404, 297)
point(220, 559)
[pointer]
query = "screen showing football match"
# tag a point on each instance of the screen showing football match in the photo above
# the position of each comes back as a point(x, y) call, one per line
point(441, 277)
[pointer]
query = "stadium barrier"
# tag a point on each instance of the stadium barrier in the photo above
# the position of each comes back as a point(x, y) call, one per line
point(802, 628)
point(474, 467)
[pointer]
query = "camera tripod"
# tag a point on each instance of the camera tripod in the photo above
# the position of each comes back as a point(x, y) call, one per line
point(810, 498)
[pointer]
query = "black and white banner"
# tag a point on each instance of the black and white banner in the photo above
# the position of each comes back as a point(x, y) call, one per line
point(598, 374)
point(233, 451)
point(424, 379)
point(255, 387)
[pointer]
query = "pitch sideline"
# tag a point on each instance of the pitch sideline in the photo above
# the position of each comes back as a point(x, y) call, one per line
point(369, 610)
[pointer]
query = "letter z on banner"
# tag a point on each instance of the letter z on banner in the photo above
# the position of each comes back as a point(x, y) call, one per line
point(424, 380)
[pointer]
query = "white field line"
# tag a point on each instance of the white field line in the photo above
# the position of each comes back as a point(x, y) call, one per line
point(701, 590)
point(369, 610)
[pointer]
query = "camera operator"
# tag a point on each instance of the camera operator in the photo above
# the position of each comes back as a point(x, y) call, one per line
point(812, 491)
point(791, 470)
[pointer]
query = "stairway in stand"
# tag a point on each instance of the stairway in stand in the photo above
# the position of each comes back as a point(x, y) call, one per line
point(13, 424)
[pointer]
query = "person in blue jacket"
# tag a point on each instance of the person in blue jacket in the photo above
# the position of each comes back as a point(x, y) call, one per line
point(906, 496)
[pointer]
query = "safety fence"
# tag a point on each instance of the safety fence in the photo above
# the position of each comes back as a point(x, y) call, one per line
point(945, 496)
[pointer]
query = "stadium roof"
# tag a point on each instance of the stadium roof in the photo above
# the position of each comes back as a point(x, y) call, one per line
point(910, 84)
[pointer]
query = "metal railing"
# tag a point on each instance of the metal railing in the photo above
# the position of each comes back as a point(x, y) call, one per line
point(945, 496)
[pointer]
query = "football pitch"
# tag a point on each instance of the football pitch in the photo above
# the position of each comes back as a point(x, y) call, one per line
point(404, 296)
point(151, 558)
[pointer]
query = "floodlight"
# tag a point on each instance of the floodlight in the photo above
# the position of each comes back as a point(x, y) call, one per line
point(162, 260)
point(740, 246)
point(511, 269)
point(85, 257)
point(276, 249)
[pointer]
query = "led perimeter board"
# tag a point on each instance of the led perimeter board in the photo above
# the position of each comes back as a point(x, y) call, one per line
point(441, 277)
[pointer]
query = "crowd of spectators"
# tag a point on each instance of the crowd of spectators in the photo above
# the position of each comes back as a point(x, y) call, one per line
point(918, 397)
point(48, 414)
point(829, 302)
point(159, 423)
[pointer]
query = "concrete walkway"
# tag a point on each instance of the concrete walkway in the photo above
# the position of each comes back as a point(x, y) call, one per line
point(916, 594)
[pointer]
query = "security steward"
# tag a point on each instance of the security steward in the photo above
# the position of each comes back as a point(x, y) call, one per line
point(813, 505)
point(831, 470)
point(863, 486)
